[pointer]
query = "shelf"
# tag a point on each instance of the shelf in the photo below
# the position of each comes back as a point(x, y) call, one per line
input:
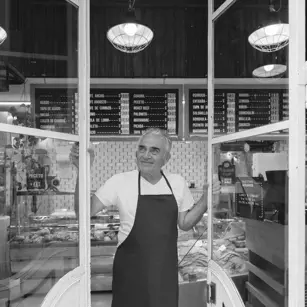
point(261, 296)
point(268, 279)
point(43, 193)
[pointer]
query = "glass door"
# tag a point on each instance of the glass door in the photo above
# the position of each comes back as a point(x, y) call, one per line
point(258, 258)
point(44, 113)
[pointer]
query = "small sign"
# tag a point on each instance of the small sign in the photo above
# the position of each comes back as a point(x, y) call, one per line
point(249, 197)
point(227, 173)
point(36, 179)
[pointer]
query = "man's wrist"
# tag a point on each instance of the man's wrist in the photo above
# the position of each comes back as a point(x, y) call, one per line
point(203, 201)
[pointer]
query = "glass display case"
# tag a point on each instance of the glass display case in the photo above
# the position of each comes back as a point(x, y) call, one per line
point(43, 232)
point(229, 248)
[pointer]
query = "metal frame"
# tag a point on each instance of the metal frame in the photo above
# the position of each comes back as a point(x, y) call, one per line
point(297, 148)
point(296, 128)
point(84, 145)
point(79, 278)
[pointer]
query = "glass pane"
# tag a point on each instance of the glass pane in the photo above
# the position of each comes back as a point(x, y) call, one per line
point(39, 226)
point(188, 160)
point(36, 51)
point(251, 45)
point(254, 205)
point(217, 3)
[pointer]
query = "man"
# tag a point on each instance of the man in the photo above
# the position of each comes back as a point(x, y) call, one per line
point(151, 205)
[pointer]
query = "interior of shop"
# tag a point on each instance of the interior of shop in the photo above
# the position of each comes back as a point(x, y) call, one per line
point(154, 76)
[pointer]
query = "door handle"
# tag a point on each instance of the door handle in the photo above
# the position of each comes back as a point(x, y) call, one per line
point(211, 293)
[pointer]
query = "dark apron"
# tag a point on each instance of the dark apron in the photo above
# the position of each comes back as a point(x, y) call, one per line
point(145, 270)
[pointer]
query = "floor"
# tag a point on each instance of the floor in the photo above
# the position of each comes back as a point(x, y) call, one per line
point(98, 300)
point(101, 299)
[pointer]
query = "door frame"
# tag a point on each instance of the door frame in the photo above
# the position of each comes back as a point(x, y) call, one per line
point(80, 276)
point(296, 140)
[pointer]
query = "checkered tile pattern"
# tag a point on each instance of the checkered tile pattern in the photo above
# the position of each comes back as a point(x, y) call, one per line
point(188, 160)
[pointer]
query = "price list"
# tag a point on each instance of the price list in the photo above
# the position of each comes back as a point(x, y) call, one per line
point(231, 112)
point(253, 109)
point(109, 112)
point(285, 105)
point(55, 110)
point(198, 111)
point(154, 108)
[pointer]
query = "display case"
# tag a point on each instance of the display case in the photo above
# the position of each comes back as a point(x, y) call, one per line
point(229, 248)
point(53, 238)
point(50, 241)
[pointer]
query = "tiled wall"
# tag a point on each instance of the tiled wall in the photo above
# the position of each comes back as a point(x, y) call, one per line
point(189, 159)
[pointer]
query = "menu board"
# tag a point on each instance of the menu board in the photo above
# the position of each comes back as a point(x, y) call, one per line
point(254, 108)
point(55, 109)
point(154, 108)
point(131, 111)
point(198, 111)
point(112, 111)
point(236, 110)
point(249, 197)
point(109, 112)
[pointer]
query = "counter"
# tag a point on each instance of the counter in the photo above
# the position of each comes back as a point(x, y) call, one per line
point(38, 264)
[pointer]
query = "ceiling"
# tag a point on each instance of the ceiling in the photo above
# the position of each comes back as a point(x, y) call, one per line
point(42, 37)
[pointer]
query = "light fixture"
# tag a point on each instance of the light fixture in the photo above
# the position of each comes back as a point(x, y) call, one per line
point(130, 36)
point(268, 68)
point(273, 36)
point(3, 35)
point(270, 38)
point(269, 73)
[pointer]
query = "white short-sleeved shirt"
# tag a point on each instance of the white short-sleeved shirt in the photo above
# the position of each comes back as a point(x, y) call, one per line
point(121, 190)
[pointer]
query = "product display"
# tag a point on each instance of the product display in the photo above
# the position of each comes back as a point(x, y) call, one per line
point(60, 230)
point(229, 251)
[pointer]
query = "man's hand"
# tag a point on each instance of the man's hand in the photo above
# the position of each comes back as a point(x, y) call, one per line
point(74, 155)
point(190, 218)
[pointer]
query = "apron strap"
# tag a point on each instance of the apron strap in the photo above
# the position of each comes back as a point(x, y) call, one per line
point(167, 182)
point(139, 183)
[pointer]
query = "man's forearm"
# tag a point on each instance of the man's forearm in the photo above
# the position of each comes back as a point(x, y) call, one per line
point(196, 213)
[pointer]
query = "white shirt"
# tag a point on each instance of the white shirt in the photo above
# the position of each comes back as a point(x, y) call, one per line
point(121, 190)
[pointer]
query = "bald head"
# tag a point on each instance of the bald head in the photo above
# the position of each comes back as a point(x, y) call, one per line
point(159, 132)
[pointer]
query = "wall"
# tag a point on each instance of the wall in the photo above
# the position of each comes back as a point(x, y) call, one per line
point(188, 159)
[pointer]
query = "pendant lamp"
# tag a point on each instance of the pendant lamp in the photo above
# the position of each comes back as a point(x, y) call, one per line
point(3, 35)
point(130, 36)
point(273, 37)
point(269, 73)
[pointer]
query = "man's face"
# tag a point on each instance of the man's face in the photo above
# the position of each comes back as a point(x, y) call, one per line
point(151, 154)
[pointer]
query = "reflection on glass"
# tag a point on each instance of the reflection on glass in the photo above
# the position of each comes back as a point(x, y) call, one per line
point(253, 205)
point(50, 52)
point(253, 81)
point(39, 227)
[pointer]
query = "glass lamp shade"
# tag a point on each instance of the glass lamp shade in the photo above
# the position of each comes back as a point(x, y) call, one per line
point(269, 73)
point(130, 37)
point(270, 38)
point(3, 35)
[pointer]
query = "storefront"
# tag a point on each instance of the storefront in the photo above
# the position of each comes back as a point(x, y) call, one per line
point(232, 97)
